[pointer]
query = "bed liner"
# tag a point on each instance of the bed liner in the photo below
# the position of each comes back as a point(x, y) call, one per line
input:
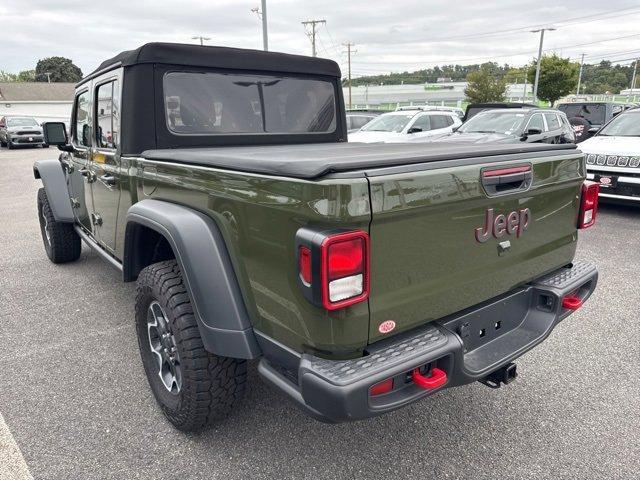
point(309, 161)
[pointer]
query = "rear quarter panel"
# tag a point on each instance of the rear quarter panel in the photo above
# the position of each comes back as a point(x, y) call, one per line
point(259, 216)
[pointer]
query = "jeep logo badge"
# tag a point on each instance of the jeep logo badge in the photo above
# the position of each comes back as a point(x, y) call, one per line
point(497, 226)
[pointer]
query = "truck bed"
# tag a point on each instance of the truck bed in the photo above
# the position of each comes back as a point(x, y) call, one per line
point(309, 161)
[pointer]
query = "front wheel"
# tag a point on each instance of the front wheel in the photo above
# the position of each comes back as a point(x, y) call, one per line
point(192, 386)
point(61, 242)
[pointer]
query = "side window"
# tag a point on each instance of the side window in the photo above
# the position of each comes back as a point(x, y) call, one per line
point(423, 123)
point(439, 121)
point(360, 121)
point(536, 122)
point(82, 129)
point(107, 115)
point(552, 121)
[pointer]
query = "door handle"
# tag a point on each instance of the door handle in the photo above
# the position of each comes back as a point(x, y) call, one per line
point(503, 180)
point(108, 179)
point(90, 176)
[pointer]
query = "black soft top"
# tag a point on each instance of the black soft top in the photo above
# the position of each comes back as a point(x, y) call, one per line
point(221, 57)
point(311, 161)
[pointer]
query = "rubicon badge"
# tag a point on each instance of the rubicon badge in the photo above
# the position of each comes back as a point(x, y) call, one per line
point(500, 225)
point(387, 326)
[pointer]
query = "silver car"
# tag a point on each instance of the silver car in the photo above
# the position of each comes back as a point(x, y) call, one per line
point(20, 131)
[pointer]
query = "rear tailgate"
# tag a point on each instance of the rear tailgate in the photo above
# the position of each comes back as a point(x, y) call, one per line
point(426, 261)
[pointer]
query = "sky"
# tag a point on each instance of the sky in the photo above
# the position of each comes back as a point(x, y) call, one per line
point(405, 35)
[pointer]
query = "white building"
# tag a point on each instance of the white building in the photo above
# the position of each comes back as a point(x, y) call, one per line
point(441, 93)
point(44, 101)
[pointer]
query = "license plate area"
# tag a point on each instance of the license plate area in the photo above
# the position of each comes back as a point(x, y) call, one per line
point(490, 321)
point(606, 181)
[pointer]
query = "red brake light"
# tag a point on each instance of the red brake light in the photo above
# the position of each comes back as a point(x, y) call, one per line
point(345, 258)
point(588, 204)
point(383, 387)
point(345, 269)
point(305, 265)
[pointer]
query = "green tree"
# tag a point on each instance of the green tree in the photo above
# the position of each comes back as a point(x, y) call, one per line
point(26, 76)
point(558, 77)
point(59, 69)
point(485, 86)
point(7, 77)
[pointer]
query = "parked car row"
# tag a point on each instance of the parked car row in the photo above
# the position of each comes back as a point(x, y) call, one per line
point(609, 132)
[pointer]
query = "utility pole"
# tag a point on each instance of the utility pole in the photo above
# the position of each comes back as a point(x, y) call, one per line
point(262, 14)
point(524, 92)
point(48, 74)
point(633, 78)
point(535, 85)
point(312, 35)
point(349, 52)
point(201, 38)
point(580, 75)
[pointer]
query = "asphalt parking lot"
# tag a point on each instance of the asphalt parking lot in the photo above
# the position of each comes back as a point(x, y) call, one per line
point(76, 403)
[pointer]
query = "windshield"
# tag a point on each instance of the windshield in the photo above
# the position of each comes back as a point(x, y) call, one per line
point(22, 122)
point(494, 122)
point(623, 126)
point(388, 123)
point(594, 113)
point(198, 103)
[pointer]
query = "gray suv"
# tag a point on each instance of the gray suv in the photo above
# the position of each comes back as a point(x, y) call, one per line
point(20, 131)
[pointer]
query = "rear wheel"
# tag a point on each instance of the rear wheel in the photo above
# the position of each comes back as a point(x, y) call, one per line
point(61, 242)
point(192, 386)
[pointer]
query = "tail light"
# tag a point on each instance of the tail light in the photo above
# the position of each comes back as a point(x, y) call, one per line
point(588, 204)
point(333, 268)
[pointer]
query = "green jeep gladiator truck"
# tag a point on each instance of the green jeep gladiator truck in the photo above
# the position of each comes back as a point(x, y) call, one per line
point(361, 277)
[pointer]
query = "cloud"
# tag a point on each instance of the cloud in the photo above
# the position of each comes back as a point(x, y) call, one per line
point(405, 35)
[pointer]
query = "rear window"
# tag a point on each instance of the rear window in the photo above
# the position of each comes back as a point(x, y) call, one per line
point(594, 113)
point(223, 103)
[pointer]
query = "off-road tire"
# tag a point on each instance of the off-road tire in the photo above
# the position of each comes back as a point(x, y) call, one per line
point(61, 242)
point(210, 385)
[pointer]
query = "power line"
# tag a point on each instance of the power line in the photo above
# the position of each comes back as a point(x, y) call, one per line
point(349, 45)
point(312, 34)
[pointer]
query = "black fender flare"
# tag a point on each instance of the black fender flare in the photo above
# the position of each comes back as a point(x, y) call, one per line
point(55, 185)
point(207, 270)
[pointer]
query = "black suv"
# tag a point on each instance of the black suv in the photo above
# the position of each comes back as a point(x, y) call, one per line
point(511, 125)
point(591, 116)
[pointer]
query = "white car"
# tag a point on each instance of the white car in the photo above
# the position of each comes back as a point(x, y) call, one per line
point(613, 157)
point(406, 126)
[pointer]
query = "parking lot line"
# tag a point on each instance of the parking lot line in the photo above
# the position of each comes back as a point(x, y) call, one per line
point(12, 464)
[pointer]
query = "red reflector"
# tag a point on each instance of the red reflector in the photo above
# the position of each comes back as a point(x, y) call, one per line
point(588, 204)
point(572, 302)
point(345, 258)
point(382, 387)
point(437, 379)
point(305, 265)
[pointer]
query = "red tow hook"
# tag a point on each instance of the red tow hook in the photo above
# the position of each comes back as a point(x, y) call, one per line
point(572, 302)
point(437, 379)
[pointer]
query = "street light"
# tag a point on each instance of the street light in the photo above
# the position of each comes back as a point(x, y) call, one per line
point(535, 85)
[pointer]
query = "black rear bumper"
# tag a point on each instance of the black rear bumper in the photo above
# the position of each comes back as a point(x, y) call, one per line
point(467, 347)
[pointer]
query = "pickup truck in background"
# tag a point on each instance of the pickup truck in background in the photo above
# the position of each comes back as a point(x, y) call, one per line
point(361, 277)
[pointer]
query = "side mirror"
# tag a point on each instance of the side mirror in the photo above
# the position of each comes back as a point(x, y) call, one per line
point(414, 130)
point(533, 131)
point(593, 130)
point(55, 133)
